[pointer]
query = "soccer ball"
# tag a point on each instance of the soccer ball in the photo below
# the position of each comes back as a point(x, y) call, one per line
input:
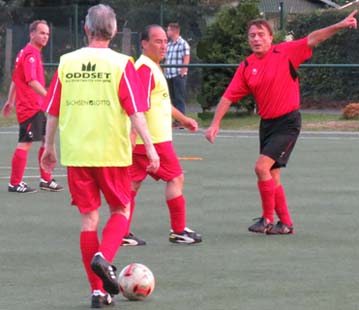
point(136, 281)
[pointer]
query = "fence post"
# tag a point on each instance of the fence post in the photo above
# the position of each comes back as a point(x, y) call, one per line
point(76, 24)
point(8, 53)
point(281, 12)
point(161, 13)
point(126, 41)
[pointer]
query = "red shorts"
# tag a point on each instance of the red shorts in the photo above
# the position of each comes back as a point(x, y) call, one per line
point(170, 167)
point(86, 183)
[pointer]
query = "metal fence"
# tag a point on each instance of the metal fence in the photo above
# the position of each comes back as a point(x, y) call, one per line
point(67, 34)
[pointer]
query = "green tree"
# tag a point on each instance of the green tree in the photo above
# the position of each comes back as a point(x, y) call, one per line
point(225, 41)
point(328, 86)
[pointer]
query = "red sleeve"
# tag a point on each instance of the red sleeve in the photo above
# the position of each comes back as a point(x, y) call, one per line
point(298, 51)
point(131, 92)
point(30, 63)
point(53, 97)
point(237, 88)
point(148, 82)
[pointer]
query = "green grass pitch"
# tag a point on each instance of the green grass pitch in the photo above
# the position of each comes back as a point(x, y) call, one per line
point(232, 269)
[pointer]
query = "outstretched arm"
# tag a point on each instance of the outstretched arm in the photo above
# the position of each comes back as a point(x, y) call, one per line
point(318, 36)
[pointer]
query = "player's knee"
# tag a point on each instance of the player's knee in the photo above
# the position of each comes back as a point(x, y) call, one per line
point(122, 210)
point(89, 221)
point(261, 169)
point(24, 146)
point(178, 181)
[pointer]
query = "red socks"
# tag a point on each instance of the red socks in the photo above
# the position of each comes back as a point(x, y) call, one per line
point(18, 165)
point(89, 245)
point(281, 207)
point(44, 175)
point(274, 199)
point(266, 190)
point(112, 236)
point(133, 204)
point(177, 210)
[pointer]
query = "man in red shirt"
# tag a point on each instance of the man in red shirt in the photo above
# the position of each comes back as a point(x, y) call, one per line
point(27, 90)
point(269, 74)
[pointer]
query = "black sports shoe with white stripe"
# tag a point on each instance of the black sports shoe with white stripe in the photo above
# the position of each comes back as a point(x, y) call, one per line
point(50, 186)
point(188, 236)
point(100, 300)
point(280, 229)
point(21, 188)
point(132, 240)
point(261, 226)
point(106, 272)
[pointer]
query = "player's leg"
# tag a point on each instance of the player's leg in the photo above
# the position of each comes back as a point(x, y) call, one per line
point(130, 239)
point(115, 184)
point(86, 196)
point(176, 204)
point(171, 172)
point(285, 224)
point(266, 190)
point(138, 174)
point(112, 236)
point(46, 181)
point(18, 165)
point(281, 207)
point(280, 144)
point(19, 158)
point(89, 245)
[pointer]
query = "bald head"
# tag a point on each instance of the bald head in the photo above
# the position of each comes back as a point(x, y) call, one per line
point(154, 42)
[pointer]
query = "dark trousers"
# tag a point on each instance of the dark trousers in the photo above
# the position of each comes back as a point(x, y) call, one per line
point(177, 88)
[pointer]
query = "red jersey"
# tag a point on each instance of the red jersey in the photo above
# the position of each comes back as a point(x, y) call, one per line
point(132, 100)
point(272, 79)
point(28, 67)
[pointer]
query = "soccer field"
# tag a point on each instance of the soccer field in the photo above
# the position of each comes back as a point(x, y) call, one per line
point(232, 269)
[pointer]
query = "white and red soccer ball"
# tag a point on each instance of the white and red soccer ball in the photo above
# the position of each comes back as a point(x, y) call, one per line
point(136, 281)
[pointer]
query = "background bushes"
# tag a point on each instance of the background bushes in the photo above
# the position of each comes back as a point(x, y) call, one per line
point(225, 41)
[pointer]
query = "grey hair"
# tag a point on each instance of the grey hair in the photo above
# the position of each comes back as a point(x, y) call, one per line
point(101, 22)
point(35, 23)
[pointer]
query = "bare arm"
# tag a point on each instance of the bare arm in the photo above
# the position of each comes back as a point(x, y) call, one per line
point(186, 60)
point(139, 124)
point(318, 36)
point(38, 88)
point(49, 157)
point(221, 110)
point(188, 122)
point(10, 103)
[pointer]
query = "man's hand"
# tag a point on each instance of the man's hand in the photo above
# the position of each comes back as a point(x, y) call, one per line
point(190, 123)
point(49, 159)
point(350, 21)
point(7, 109)
point(211, 133)
point(318, 36)
point(153, 158)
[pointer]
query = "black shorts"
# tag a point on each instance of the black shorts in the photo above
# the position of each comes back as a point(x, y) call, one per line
point(33, 129)
point(278, 137)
